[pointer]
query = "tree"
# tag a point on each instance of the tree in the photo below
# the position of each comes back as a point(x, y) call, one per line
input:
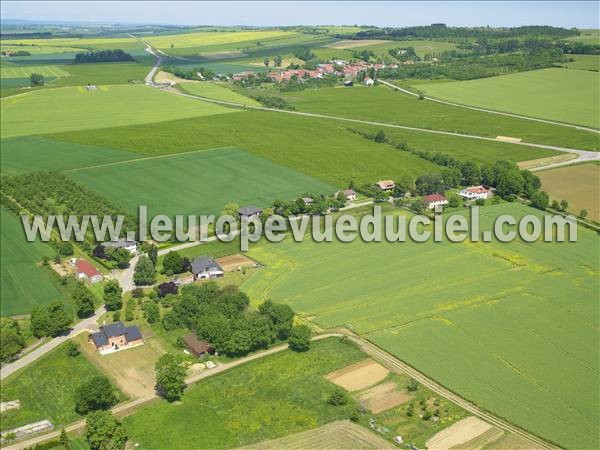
point(173, 263)
point(170, 376)
point(531, 183)
point(11, 343)
point(266, 62)
point(564, 205)
point(539, 200)
point(299, 339)
point(73, 349)
point(39, 322)
point(95, 394)
point(338, 397)
point(151, 311)
point(64, 439)
point(169, 287)
point(412, 385)
point(277, 61)
point(379, 137)
point(35, 79)
point(583, 213)
point(282, 317)
point(144, 273)
point(470, 172)
point(113, 299)
point(84, 301)
point(453, 200)
point(104, 431)
point(153, 253)
point(58, 318)
point(231, 209)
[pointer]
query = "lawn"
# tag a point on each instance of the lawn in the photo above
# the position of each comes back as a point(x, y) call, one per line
point(263, 399)
point(568, 96)
point(381, 104)
point(46, 389)
point(103, 73)
point(24, 285)
point(578, 184)
point(508, 326)
point(26, 71)
point(75, 108)
point(216, 92)
point(201, 182)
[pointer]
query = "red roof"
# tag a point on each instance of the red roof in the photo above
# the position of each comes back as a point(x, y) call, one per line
point(86, 268)
point(434, 198)
point(477, 190)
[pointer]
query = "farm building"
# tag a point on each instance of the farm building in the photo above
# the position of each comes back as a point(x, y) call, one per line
point(249, 211)
point(475, 193)
point(85, 271)
point(130, 246)
point(348, 83)
point(350, 194)
point(197, 347)
point(368, 81)
point(434, 200)
point(204, 267)
point(308, 201)
point(386, 185)
point(116, 336)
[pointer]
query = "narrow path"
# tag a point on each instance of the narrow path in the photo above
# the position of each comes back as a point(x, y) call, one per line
point(367, 347)
point(490, 111)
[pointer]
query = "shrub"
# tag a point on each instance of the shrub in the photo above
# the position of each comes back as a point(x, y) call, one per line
point(338, 397)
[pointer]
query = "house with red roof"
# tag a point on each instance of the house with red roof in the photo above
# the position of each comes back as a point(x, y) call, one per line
point(386, 185)
point(85, 271)
point(434, 200)
point(475, 193)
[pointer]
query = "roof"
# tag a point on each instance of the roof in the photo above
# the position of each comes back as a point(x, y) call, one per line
point(119, 243)
point(86, 268)
point(196, 345)
point(116, 329)
point(204, 264)
point(386, 184)
point(349, 192)
point(434, 198)
point(477, 190)
point(249, 210)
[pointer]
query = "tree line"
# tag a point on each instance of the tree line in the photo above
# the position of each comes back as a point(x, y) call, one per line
point(103, 56)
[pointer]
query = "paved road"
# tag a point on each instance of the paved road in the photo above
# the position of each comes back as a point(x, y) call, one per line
point(125, 277)
point(375, 352)
point(491, 111)
point(84, 325)
point(150, 77)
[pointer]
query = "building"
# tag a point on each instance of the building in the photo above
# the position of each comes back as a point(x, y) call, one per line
point(130, 246)
point(197, 347)
point(434, 200)
point(386, 185)
point(308, 201)
point(475, 193)
point(348, 83)
point(249, 211)
point(116, 336)
point(350, 195)
point(204, 268)
point(368, 81)
point(85, 271)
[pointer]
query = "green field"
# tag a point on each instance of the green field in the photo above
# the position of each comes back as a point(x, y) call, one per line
point(263, 399)
point(102, 73)
point(584, 62)
point(568, 96)
point(402, 109)
point(591, 37)
point(197, 183)
point(46, 389)
point(508, 326)
point(80, 109)
point(23, 284)
point(26, 71)
point(37, 49)
point(217, 92)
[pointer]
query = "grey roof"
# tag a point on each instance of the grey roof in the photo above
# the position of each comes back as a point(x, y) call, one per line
point(204, 264)
point(131, 333)
point(249, 210)
point(118, 243)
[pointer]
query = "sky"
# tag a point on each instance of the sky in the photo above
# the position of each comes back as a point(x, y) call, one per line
point(580, 14)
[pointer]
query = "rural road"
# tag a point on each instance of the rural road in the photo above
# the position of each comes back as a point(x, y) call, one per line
point(84, 325)
point(150, 77)
point(491, 111)
point(388, 360)
point(125, 277)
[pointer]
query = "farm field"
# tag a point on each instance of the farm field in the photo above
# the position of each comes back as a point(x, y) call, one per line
point(422, 47)
point(46, 389)
point(102, 73)
point(210, 38)
point(456, 331)
point(402, 109)
point(26, 71)
point(216, 92)
point(37, 49)
point(587, 37)
point(23, 284)
point(97, 43)
point(584, 62)
point(263, 399)
point(556, 94)
point(228, 175)
point(578, 184)
point(34, 113)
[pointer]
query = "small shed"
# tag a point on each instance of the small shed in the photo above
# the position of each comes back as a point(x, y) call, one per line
point(197, 346)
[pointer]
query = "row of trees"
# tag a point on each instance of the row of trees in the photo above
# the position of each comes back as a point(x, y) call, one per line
point(11, 339)
point(103, 56)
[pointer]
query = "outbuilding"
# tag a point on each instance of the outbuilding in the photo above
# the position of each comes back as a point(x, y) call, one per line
point(197, 346)
point(204, 268)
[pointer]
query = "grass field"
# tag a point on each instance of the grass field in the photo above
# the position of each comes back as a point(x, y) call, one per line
point(37, 49)
point(199, 183)
point(263, 399)
point(578, 184)
point(210, 38)
point(23, 284)
point(556, 94)
point(584, 62)
point(381, 47)
point(46, 389)
point(508, 326)
point(217, 92)
point(26, 71)
point(399, 108)
point(102, 73)
point(587, 37)
point(37, 113)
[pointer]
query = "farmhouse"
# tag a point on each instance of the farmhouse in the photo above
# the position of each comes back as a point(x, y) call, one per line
point(116, 336)
point(368, 81)
point(130, 246)
point(386, 185)
point(85, 271)
point(350, 194)
point(204, 267)
point(249, 211)
point(434, 200)
point(197, 347)
point(475, 193)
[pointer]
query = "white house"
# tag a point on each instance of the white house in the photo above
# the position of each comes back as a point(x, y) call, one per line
point(368, 81)
point(350, 195)
point(130, 246)
point(475, 193)
point(434, 200)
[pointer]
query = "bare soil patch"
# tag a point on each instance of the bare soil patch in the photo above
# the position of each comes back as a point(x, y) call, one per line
point(235, 262)
point(349, 43)
point(165, 77)
point(533, 163)
point(383, 397)
point(358, 376)
point(460, 433)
